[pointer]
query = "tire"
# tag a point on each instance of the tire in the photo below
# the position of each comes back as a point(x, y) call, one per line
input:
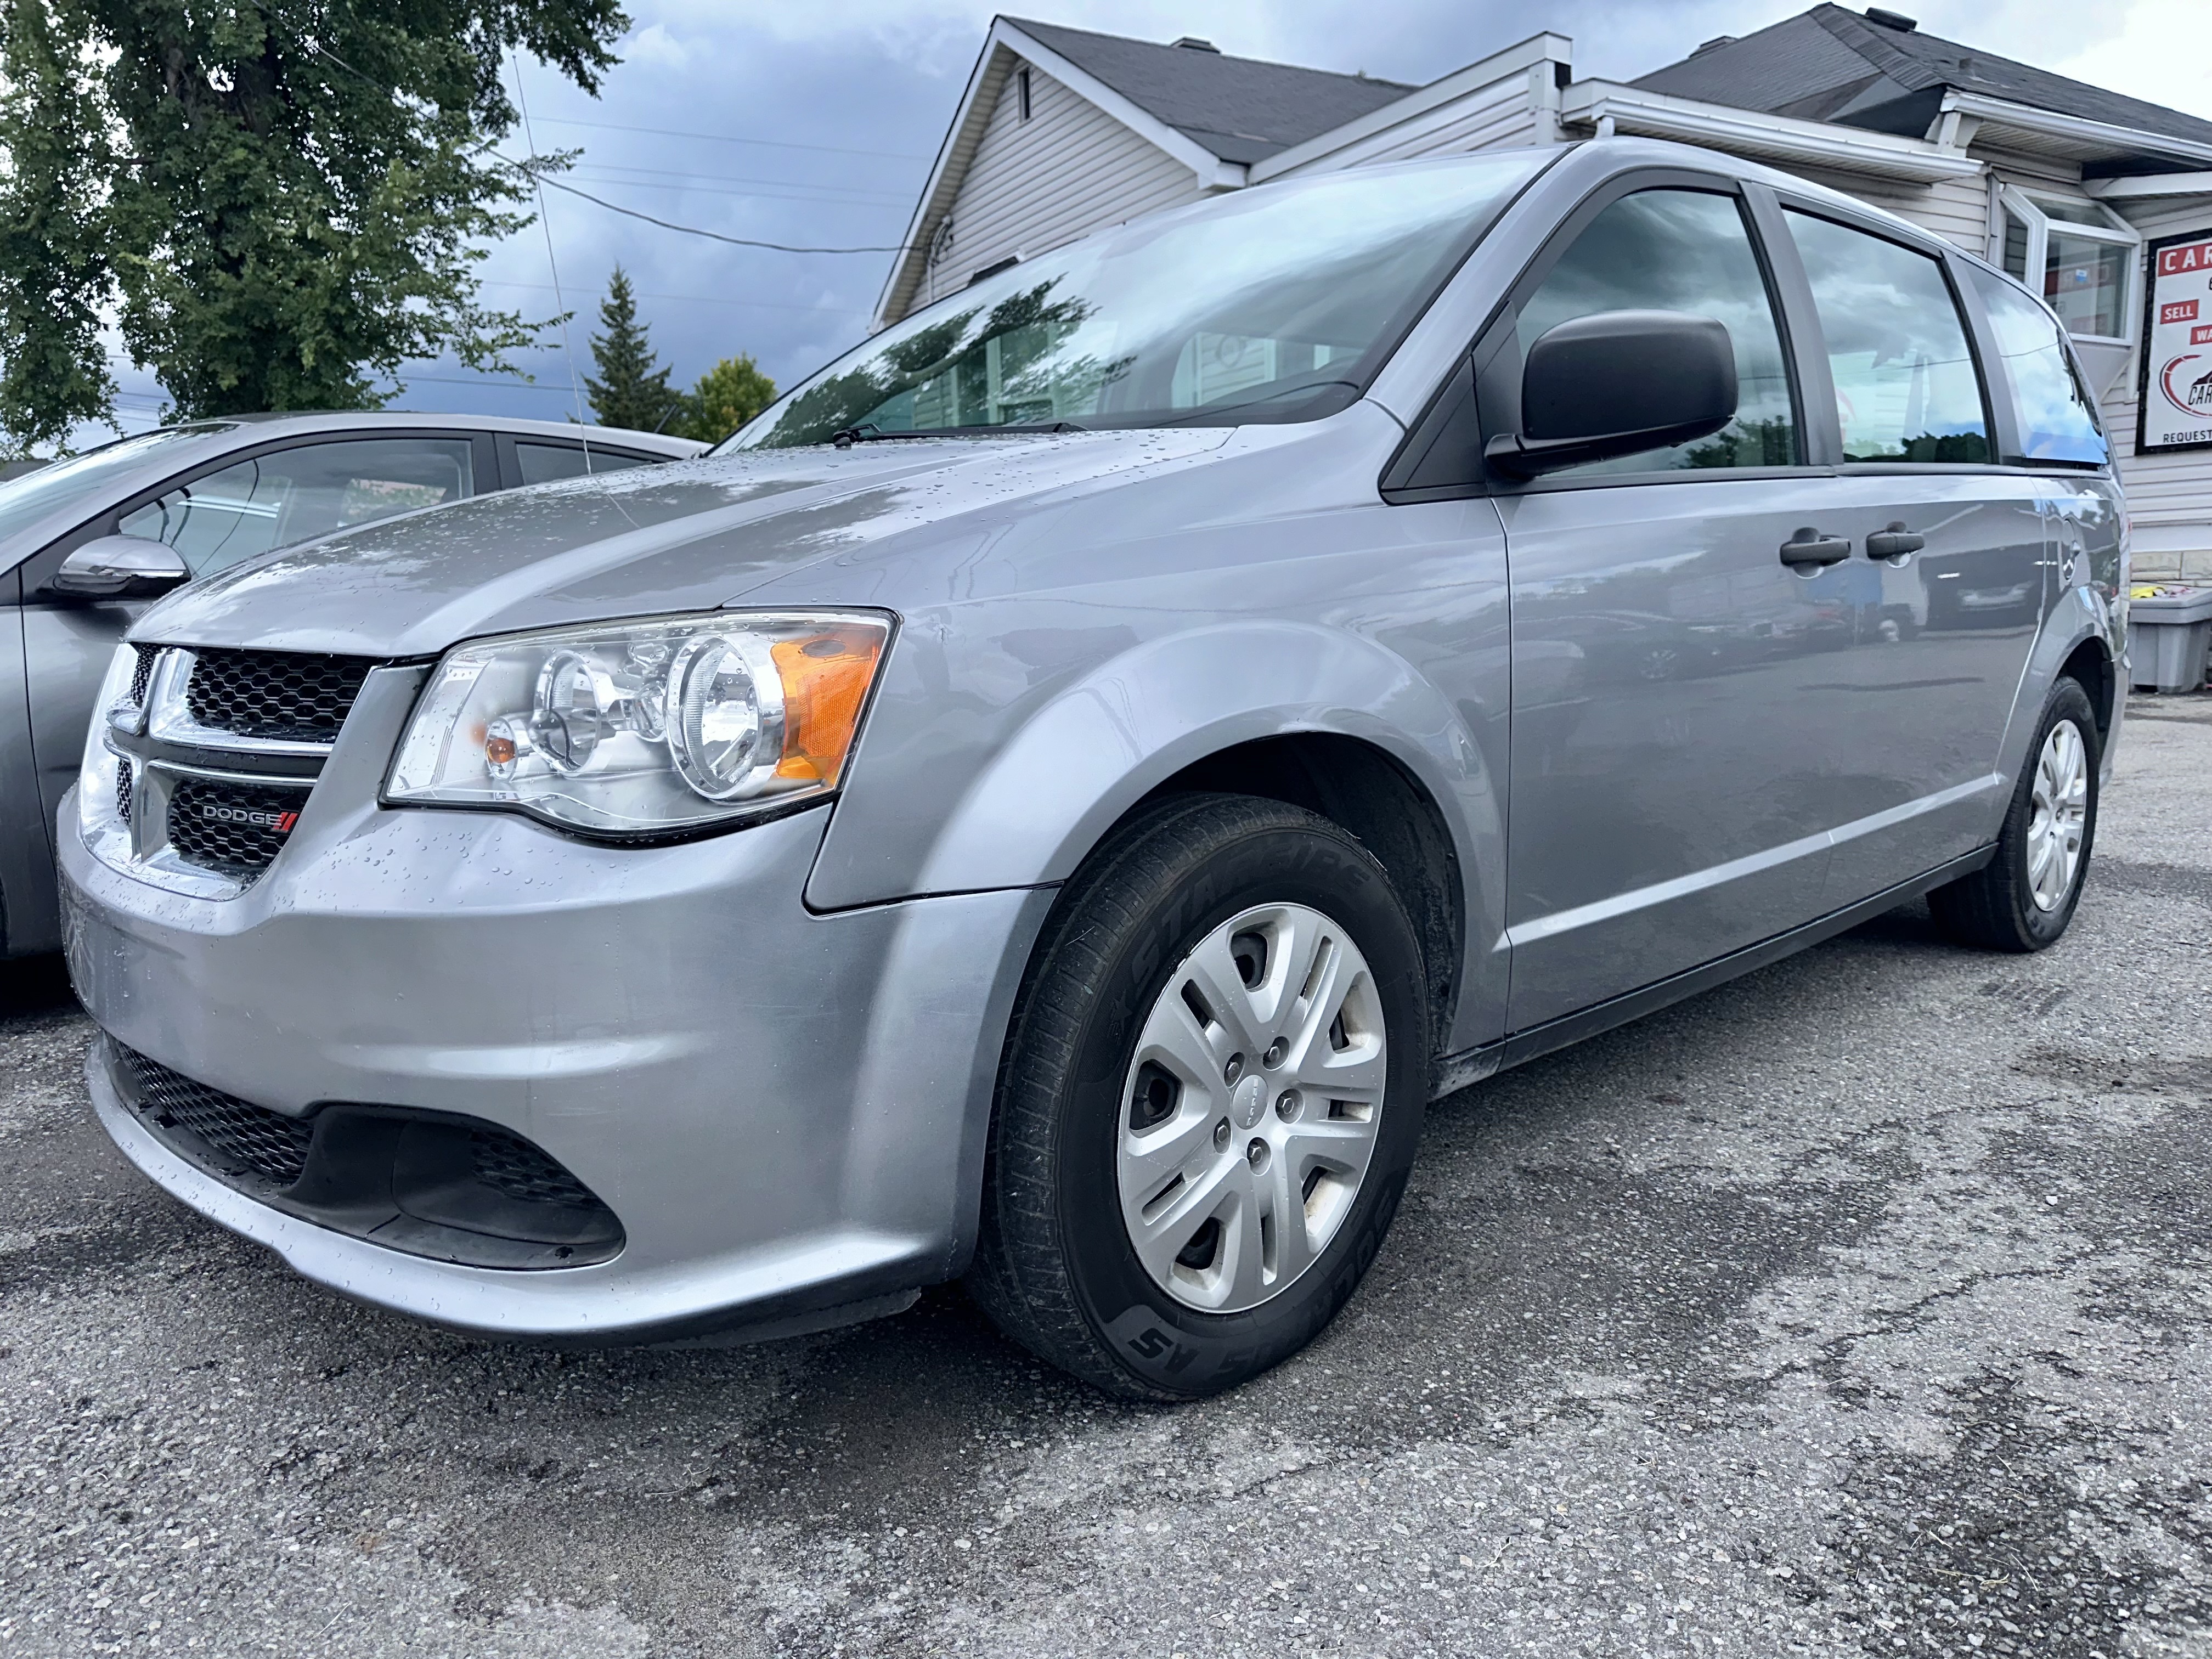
point(1088, 1134)
point(1998, 907)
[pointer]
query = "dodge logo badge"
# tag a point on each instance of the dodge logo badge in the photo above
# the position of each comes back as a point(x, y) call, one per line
point(253, 817)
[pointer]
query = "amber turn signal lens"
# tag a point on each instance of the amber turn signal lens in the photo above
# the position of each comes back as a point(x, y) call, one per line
point(825, 681)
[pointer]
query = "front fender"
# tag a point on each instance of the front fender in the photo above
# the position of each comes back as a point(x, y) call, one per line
point(1095, 751)
point(1081, 755)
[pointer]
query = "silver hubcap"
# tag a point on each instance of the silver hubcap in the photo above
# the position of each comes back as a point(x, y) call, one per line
point(2060, 797)
point(1250, 1112)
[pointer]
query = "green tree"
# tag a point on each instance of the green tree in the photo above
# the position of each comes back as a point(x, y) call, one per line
point(54, 368)
point(632, 390)
point(286, 199)
point(727, 396)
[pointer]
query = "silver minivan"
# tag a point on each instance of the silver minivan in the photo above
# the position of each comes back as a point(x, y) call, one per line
point(1053, 801)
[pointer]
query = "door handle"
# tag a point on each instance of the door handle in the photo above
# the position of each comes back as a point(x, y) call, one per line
point(1809, 546)
point(1894, 543)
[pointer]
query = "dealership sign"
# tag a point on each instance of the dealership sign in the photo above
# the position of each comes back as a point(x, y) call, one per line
point(2177, 377)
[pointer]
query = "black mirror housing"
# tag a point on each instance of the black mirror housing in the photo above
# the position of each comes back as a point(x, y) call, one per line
point(119, 568)
point(1617, 382)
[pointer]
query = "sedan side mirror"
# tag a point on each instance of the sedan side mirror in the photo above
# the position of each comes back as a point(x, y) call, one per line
point(1617, 383)
point(119, 568)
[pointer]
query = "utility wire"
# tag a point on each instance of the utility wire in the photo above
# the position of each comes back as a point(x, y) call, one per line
point(538, 177)
point(702, 299)
point(723, 138)
point(716, 235)
point(877, 204)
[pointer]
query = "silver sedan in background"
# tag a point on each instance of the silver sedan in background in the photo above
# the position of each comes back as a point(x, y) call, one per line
point(86, 543)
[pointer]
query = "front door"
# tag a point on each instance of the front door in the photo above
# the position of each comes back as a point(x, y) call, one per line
point(1671, 786)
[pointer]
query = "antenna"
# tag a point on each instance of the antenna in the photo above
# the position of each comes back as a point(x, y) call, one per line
point(575, 386)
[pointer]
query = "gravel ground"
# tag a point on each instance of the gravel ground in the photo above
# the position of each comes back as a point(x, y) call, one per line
point(1860, 1307)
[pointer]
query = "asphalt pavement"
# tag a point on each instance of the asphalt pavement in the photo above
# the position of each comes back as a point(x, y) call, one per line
point(1860, 1307)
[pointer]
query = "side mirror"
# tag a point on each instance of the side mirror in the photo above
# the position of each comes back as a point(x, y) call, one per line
point(119, 568)
point(1617, 383)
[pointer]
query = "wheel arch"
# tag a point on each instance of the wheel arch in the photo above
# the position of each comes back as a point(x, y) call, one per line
point(2077, 642)
point(1360, 786)
point(2090, 663)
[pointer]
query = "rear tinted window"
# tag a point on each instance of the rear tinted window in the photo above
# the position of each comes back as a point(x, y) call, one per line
point(2058, 421)
point(1906, 389)
point(543, 463)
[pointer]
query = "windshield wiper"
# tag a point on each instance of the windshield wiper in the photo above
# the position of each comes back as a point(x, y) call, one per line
point(868, 432)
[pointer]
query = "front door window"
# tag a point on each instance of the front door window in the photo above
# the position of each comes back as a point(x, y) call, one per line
point(1685, 251)
point(294, 494)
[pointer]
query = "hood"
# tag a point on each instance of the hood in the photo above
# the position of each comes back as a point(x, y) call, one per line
point(690, 535)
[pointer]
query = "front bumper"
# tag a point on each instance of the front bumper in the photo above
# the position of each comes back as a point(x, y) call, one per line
point(786, 1110)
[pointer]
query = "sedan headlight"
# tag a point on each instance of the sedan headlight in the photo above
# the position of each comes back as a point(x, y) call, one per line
point(645, 728)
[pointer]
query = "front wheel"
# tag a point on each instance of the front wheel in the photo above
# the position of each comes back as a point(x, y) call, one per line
point(2023, 898)
point(1210, 1100)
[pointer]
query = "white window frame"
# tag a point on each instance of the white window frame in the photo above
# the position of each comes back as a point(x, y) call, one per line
point(2021, 205)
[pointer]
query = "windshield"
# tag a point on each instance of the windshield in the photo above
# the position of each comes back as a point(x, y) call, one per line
point(1273, 304)
point(26, 501)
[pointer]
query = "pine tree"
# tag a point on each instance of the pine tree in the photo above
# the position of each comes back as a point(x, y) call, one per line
point(727, 396)
point(632, 390)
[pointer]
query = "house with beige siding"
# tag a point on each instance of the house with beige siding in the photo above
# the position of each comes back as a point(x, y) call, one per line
point(1063, 131)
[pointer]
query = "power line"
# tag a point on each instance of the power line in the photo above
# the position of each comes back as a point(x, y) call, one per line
point(725, 138)
point(716, 235)
point(406, 379)
point(553, 269)
point(728, 179)
point(879, 206)
point(699, 299)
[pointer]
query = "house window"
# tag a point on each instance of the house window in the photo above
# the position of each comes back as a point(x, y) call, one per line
point(2080, 256)
point(1021, 84)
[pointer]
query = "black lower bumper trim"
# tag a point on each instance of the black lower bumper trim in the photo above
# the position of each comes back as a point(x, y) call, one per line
point(433, 1184)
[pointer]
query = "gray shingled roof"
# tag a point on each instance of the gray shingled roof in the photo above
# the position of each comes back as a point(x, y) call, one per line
point(1832, 65)
point(1242, 109)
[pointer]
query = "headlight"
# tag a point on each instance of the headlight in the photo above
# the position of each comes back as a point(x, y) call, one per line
point(647, 728)
point(100, 779)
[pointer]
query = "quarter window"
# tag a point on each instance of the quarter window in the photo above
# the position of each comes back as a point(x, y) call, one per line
point(2058, 422)
point(293, 495)
point(1906, 389)
point(1686, 251)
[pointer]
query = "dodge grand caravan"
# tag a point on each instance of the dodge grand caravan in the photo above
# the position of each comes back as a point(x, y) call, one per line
point(1053, 800)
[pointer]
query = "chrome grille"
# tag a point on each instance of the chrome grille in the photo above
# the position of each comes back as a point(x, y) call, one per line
point(296, 696)
point(237, 828)
point(122, 784)
point(142, 673)
point(247, 1140)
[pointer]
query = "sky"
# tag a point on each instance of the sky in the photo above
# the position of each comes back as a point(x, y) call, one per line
point(816, 124)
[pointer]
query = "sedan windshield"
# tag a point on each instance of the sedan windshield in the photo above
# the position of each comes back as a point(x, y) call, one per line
point(39, 495)
point(1273, 304)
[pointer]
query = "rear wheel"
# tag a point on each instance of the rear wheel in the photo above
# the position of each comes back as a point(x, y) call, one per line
point(1210, 1097)
point(2024, 897)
